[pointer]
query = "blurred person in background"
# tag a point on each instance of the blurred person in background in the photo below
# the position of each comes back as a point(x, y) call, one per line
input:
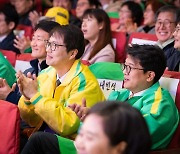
point(149, 16)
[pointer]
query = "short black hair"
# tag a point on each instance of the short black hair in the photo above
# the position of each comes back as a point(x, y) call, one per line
point(169, 8)
point(122, 122)
point(46, 25)
point(73, 38)
point(150, 57)
point(10, 14)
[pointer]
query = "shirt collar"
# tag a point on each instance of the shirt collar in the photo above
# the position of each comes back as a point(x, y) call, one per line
point(162, 45)
point(2, 37)
point(61, 78)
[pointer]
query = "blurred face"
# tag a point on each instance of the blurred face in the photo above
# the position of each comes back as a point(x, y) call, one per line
point(165, 26)
point(22, 6)
point(124, 14)
point(4, 27)
point(90, 28)
point(38, 44)
point(57, 55)
point(81, 7)
point(92, 139)
point(149, 16)
point(62, 3)
point(135, 79)
point(177, 37)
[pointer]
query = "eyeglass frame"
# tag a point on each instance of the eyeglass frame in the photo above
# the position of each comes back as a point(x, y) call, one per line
point(126, 67)
point(49, 44)
point(166, 23)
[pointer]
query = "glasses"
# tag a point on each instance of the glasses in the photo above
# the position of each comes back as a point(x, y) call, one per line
point(166, 23)
point(129, 68)
point(52, 45)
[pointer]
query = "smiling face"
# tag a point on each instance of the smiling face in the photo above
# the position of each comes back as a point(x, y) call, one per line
point(135, 80)
point(165, 26)
point(124, 14)
point(93, 141)
point(38, 44)
point(149, 16)
point(58, 58)
point(177, 37)
point(90, 28)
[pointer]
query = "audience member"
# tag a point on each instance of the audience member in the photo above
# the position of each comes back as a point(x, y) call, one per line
point(23, 8)
point(83, 5)
point(173, 55)
point(111, 5)
point(41, 33)
point(96, 29)
point(110, 136)
point(149, 16)
point(66, 4)
point(143, 68)
point(166, 19)
point(8, 22)
point(46, 100)
point(131, 16)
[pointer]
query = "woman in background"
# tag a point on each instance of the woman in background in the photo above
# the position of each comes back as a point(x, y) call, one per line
point(97, 33)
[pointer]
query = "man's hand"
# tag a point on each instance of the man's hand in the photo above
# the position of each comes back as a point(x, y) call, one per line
point(5, 89)
point(28, 86)
point(80, 110)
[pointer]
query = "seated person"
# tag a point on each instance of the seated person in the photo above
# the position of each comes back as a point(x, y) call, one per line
point(46, 100)
point(23, 8)
point(130, 17)
point(83, 5)
point(166, 19)
point(97, 33)
point(9, 21)
point(149, 16)
point(41, 33)
point(115, 136)
point(7, 73)
point(175, 53)
point(142, 70)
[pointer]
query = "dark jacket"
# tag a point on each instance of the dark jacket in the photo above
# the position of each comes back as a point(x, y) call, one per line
point(14, 96)
point(172, 57)
point(7, 43)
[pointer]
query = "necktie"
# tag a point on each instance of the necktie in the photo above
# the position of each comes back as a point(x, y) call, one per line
point(58, 82)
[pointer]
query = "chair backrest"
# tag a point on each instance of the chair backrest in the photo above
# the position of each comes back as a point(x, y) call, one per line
point(119, 42)
point(171, 82)
point(10, 55)
point(142, 38)
point(9, 128)
point(22, 62)
point(109, 79)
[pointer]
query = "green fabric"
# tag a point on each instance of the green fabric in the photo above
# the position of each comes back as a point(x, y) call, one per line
point(113, 14)
point(6, 70)
point(158, 109)
point(66, 146)
point(107, 70)
point(28, 50)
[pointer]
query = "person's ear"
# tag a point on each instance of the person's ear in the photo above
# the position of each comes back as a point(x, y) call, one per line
point(11, 25)
point(101, 26)
point(151, 76)
point(121, 147)
point(73, 53)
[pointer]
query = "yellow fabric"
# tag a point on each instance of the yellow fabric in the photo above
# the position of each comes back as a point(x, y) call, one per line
point(60, 15)
point(53, 111)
